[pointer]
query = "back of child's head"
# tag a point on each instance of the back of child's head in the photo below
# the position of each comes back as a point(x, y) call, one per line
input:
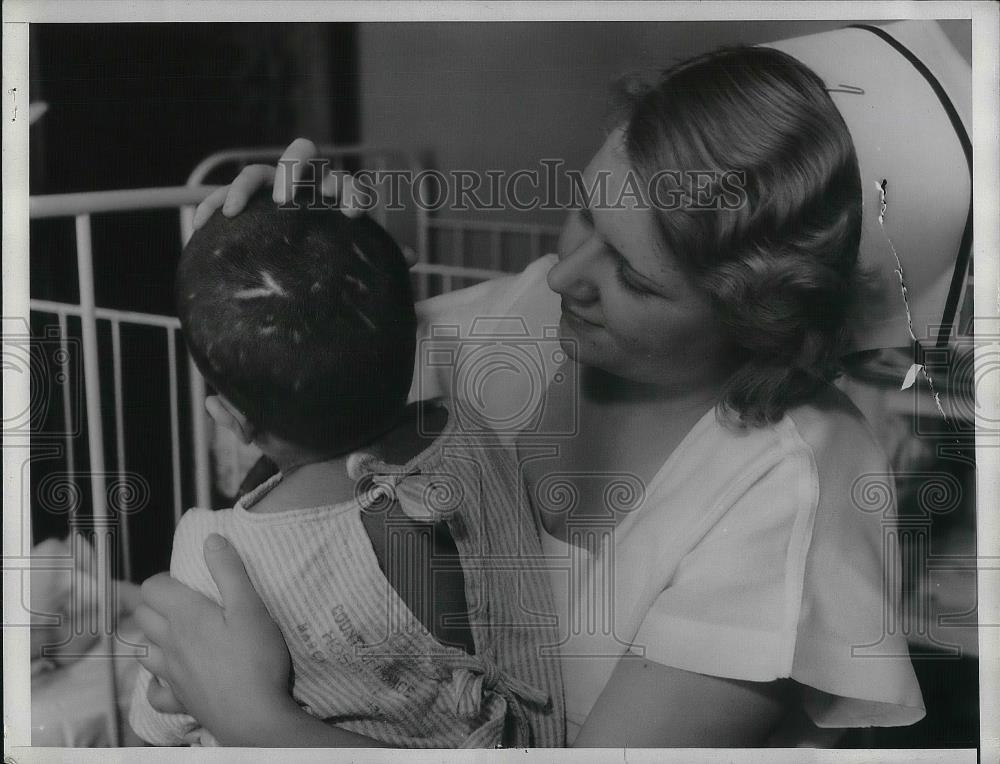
point(303, 319)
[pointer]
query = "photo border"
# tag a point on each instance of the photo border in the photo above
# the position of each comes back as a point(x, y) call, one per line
point(17, 14)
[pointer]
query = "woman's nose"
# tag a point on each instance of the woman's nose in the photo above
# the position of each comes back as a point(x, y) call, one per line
point(571, 276)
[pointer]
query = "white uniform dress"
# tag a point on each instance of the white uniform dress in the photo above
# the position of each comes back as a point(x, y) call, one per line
point(755, 554)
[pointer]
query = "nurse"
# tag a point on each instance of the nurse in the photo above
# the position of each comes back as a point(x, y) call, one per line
point(718, 545)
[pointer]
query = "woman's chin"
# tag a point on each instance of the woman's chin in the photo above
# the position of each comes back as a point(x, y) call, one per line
point(568, 343)
point(576, 348)
point(571, 343)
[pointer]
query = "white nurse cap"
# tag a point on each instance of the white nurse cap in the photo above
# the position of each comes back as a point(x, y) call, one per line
point(906, 96)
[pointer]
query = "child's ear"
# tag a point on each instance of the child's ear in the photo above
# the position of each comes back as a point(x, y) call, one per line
point(227, 415)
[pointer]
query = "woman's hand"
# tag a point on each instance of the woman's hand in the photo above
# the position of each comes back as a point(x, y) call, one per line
point(226, 665)
point(284, 179)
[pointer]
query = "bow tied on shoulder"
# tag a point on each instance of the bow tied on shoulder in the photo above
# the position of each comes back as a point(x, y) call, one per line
point(421, 495)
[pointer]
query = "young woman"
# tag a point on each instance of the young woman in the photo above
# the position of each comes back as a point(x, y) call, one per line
point(745, 585)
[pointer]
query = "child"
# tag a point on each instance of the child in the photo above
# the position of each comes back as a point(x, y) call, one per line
point(392, 549)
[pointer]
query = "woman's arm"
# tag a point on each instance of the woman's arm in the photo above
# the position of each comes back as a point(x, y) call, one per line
point(649, 705)
point(228, 665)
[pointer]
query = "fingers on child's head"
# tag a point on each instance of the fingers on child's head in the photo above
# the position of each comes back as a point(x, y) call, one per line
point(232, 199)
point(247, 183)
point(209, 205)
point(410, 255)
point(341, 185)
point(299, 150)
point(351, 203)
point(291, 167)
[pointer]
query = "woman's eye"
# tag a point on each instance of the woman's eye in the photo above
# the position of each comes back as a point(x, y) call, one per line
point(623, 279)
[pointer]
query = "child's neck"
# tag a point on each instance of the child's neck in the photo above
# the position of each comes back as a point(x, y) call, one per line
point(313, 479)
point(311, 484)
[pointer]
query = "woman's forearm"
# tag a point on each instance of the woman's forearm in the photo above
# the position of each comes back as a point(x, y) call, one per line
point(649, 705)
point(288, 726)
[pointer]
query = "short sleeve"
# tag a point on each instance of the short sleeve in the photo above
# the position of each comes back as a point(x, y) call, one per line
point(792, 582)
point(849, 654)
point(732, 604)
point(498, 307)
point(187, 565)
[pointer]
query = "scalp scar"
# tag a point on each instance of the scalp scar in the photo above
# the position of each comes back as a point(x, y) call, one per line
point(271, 288)
point(363, 317)
point(362, 255)
point(346, 297)
point(356, 283)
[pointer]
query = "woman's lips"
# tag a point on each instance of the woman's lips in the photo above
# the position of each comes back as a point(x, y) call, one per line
point(576, 318)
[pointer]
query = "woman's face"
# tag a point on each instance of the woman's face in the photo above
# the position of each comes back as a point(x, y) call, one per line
point(627, 307)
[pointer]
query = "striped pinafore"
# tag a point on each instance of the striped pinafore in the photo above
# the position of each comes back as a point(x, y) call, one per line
point(360, 658)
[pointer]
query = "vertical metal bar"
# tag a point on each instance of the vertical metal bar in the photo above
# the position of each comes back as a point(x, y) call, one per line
point(91, 372)
point(446, 283)
point(536, 244)
point(122, 508)
point(196, 384)
point(95, 441)
point(175, 444)
point(423, 244)
point(66, 395)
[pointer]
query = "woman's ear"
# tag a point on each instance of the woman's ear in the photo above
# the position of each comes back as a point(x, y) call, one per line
point(227, 415)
